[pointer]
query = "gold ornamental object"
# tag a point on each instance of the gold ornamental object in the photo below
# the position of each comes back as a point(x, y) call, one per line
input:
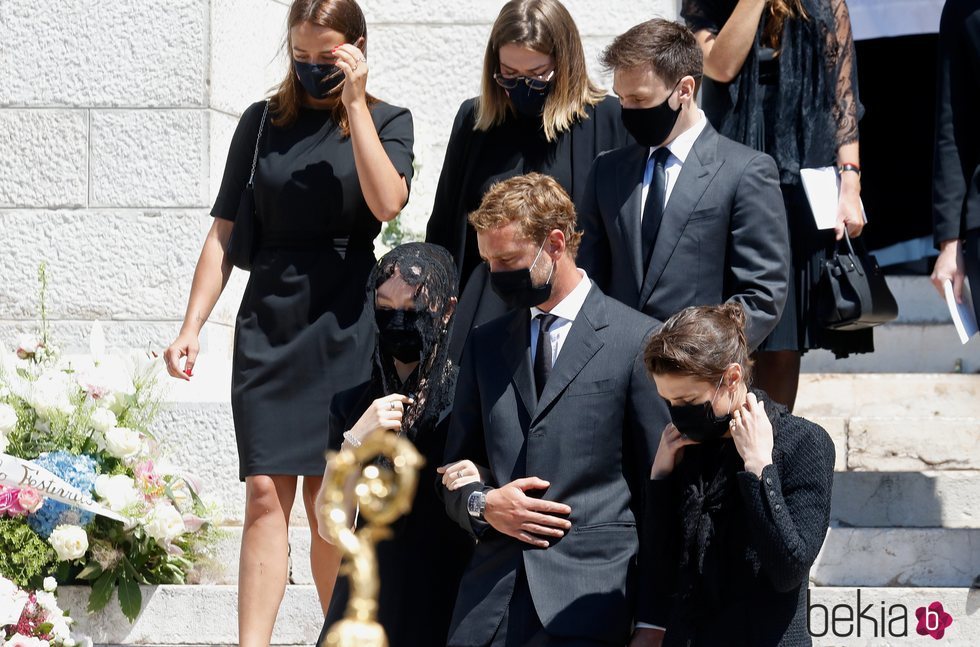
point(383, 491)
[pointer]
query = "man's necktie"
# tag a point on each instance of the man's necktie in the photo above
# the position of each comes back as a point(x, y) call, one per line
point(542, 356)
point(653, 210)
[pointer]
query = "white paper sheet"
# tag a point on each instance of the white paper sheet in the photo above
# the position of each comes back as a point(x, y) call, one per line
point(963, 316)
point(822, 188)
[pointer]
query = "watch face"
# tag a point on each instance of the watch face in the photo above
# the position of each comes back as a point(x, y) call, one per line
point(475, 504)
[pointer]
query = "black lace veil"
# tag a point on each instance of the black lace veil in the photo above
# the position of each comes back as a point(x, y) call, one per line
point(431, 271)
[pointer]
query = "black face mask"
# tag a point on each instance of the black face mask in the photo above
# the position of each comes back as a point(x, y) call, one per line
point(516, 288)
point(651, 126)
point(528, 102)
point(318, 80)
point(698, 421)
point(399, 335)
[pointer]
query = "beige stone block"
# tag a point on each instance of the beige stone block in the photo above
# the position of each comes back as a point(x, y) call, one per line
point(911, 444)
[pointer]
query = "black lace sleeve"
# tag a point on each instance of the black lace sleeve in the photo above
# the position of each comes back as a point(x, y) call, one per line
point(847, 108)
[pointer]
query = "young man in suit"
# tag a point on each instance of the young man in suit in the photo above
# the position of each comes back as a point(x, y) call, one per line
point(956, 176)
point(554, 406)
point(685, 216)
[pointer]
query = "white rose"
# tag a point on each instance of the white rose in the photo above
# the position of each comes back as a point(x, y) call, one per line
point(51, 395)
point(8, 418)
point(164, 523)
point(103, 420)
point(12, 601)
point(123, 443)
point(118, 492)
point(20, 640)
point(69, 542)
point(47, 601)
point(50, 584)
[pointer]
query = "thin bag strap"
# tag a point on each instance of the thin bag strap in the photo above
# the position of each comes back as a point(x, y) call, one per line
point(258, 138)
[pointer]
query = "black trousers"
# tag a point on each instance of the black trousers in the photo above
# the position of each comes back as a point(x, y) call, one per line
point(521, 627)
point(971, 258)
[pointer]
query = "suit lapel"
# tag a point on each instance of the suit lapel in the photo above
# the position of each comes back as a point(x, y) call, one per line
point(518, 359)
point(696, 174)
point(582, 343)
point(629, 183)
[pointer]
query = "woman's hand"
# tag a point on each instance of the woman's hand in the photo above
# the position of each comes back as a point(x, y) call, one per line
point(646, 637)
point(849, 211)
point(186, 345)
point(456, 475)
point(669, 453)
point(384, 413)
point(949, 267)
point(351, 60)
point(752, 433)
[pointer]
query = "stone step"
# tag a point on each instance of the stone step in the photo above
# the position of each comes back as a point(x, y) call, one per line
point(872, 395)
point(175, 616)
point(887, 556)
point(916, 557)
point(927, 499)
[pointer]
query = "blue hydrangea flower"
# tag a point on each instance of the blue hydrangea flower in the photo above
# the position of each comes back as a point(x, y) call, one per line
point(79, 470)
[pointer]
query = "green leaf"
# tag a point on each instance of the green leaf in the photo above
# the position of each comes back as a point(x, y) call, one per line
point(91, 572)
point(102, 591)
point(46, 628)
point(130, 597)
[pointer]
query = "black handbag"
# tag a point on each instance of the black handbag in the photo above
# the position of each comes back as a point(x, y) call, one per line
point(244, 238)
point(852, 293)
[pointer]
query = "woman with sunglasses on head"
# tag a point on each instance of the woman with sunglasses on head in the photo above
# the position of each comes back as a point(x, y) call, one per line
point(781, 77)
point(538, 111)
point(332, 164)
point(413, 292)
point(739, 494)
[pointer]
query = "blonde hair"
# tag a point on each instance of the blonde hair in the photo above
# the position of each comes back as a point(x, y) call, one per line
point(344, 16)
point(536, 202)
point(544, 26)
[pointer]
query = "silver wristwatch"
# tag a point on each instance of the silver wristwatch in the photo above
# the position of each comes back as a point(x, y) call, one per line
point(476, 504)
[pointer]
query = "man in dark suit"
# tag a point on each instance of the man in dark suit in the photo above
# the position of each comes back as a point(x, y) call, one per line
point(956, 177)
point(554, 404)
point(685, 216)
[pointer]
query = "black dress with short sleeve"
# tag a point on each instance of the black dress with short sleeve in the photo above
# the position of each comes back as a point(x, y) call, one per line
point(303, 331)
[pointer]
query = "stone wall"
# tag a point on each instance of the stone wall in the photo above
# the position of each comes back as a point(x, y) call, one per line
point(115, 120)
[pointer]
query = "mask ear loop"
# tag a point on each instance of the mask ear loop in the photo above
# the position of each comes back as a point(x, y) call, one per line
point(554, 264)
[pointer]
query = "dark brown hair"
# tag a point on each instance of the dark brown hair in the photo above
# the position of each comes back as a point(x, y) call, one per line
point(669, 47)
point(779, 12)
point(701, 342)
point(544, 26)
point(536, 202)
point(344, 16)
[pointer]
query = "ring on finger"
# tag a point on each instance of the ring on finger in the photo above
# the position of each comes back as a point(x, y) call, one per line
point(459, 474)
point(354, 67)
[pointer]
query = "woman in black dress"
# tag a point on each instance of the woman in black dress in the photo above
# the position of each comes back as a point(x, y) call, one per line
point(538, 111)
point(739, 496)
point(413, 289)
point(333, 164)
point(780, 76)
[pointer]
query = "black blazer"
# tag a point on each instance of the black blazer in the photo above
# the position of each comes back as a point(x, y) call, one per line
point(592, 435)
point(956, 176)
point(776, 526)
point(601, 130)
point(723, 236)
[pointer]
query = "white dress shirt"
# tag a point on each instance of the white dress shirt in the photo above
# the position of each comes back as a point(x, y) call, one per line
point(566, 311)
point(679, 149)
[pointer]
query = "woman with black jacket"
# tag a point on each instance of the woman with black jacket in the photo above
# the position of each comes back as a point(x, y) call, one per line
point(738, 503)
point(538, 111)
